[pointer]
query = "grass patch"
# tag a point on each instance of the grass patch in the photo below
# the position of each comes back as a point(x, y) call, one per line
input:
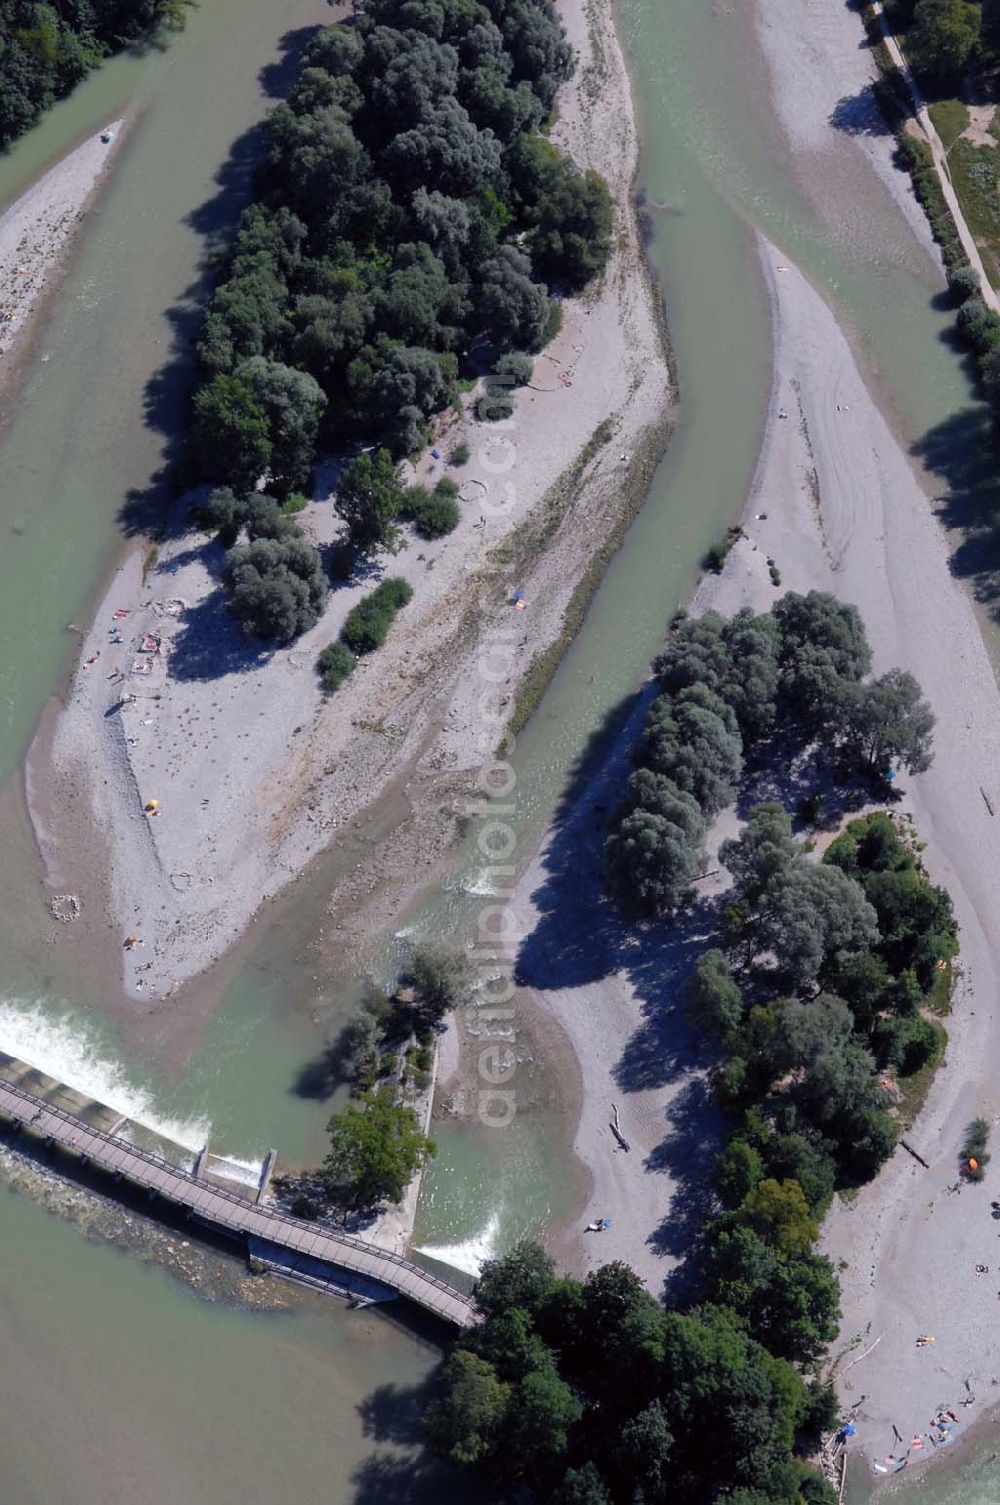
point(913, 1089)
point(938, 1000)
point(975, 172)
point(950, 117)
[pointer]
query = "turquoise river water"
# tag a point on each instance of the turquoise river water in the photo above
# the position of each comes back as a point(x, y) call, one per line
point(109, 1359)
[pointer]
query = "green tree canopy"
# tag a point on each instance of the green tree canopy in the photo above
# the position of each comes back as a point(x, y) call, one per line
point(375, 1151)
point(276, 587)
point(888, 722)
point(942, 37)
point(369, 499)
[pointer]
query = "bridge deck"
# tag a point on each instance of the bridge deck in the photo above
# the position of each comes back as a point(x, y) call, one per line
point(226, 1210)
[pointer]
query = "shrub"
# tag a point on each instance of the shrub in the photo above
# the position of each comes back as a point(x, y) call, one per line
point(334, 665)
point(515, 365)
point(978, 326)
point(276, 587)
point(459, 455)
point(441, 979)
point(714, 558)
point(367, 626)
point(496, 404)
point(963, 284)
point(975, 1156)
point(432, 513)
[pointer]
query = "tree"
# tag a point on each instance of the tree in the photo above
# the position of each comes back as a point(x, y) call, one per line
point(465, 1419)
point(777, 1212)
point(645, 1453)
point(888, 722)
point(541, 1411)
point(569, 213)
point(360, 1049)
point(508, 1339)
point(762, 852)
point(276, 587)
point(823, 642)
point(581, 1486)
point(941, 39)
point(712, 1365)
point(369, 499)
point(989, 40)
point(513, 307)
point(650, 864)
point(522, 1278)
point(790, 1302)
point(441, 978)
point(375, 1151)
point(696, 654)
point(230, 436)
point(737, 1172)
point(293, 402)
point(916, 921)
point(807, 1160)
point(657, 794)
point(812, 912)
point(444, 148)
point(693, 739)
point(713, 997)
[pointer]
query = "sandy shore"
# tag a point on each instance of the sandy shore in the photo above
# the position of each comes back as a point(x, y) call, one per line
point(36, 230)
point(252, 770)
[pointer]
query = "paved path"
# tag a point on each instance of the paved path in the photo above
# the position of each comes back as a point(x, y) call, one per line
point(940, 156)
point(234, 1214)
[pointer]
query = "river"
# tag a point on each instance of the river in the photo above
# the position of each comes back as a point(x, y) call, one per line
point(278, 1393)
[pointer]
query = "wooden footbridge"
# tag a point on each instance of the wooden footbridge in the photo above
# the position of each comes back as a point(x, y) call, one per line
point(232, 1214)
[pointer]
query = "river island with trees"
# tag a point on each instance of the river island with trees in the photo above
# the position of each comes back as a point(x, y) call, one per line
point(820, 1004)
point(412, 231)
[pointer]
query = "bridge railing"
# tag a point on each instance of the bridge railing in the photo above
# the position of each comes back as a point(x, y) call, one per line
point(280, 1219)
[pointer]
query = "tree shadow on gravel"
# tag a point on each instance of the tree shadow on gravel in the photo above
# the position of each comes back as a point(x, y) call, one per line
point(148, 510)
point(580, 939)
point(962, 453)
point(859, 115)
point(210, 643)
point(697, 1133)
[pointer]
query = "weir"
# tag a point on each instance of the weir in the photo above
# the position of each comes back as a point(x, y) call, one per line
point(306, 1246)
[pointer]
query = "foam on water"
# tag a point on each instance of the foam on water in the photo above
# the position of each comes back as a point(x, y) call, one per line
point(470, 1256)
point(62, 1049)
point(480, 885)
point(246, 1172)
